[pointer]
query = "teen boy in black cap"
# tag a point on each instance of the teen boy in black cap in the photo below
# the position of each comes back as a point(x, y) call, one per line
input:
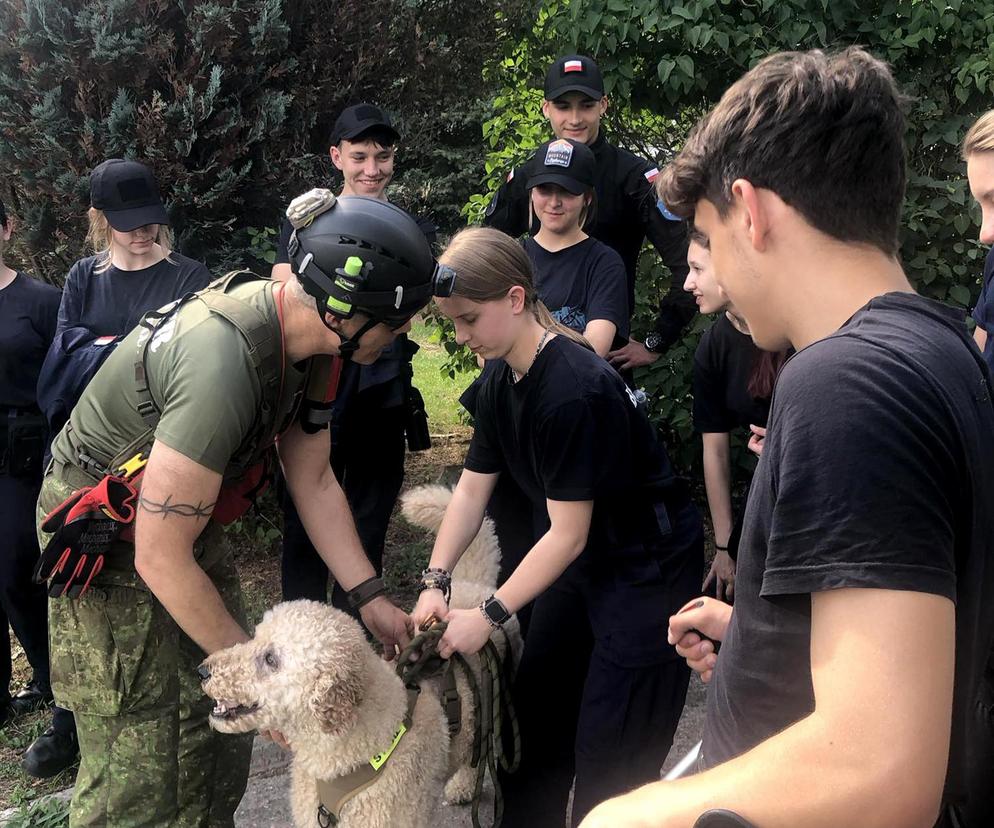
point(373, 401)
point(626, 203)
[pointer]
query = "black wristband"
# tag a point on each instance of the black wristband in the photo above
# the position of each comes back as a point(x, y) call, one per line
point(720, 548)
point(363, 593)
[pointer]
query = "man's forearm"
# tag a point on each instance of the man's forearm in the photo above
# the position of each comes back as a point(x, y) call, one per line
point(326, 516)
point(191, 598)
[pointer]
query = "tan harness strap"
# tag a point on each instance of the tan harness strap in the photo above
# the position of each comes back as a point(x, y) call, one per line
point(334, 794)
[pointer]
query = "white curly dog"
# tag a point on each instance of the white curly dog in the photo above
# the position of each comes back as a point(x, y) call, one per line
point(310, 673)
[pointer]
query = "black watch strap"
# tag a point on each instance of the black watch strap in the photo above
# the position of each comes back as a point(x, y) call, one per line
point(365, 592)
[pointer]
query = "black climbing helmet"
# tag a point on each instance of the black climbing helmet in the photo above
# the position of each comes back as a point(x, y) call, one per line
point(357, 254)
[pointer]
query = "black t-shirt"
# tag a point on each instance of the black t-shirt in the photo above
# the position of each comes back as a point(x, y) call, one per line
point(983, 313)
point(723, 363)
point(583, 282)
point(877, 472)
point(570, 430)
point(113, 302)
point(28, 313)
point(97, 311)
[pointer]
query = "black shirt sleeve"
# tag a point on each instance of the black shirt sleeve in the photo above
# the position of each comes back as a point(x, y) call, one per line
point(711, 415)
point(864, 499)
point(607, 289)
point(484, 454)
point(508, 209)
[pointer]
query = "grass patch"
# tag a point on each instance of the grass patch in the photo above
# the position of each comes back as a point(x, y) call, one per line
point(440, 391)
point(46, 813)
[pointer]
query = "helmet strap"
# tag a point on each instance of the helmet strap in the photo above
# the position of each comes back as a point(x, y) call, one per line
point(348, 344)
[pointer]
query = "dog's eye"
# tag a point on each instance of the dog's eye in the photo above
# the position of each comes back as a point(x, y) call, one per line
point(272, 662)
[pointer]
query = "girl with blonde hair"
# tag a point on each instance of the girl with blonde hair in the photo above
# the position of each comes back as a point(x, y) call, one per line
point(599, 692)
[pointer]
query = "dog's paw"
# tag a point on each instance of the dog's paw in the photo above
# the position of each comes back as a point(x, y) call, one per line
point(459, 789)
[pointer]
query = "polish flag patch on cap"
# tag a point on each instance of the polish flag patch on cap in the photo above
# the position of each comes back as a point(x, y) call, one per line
point(104, 340)
point(650, 175)
point(510, 175)
point(573, 66)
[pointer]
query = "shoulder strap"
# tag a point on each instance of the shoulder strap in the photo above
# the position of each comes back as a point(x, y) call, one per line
point(265, 348)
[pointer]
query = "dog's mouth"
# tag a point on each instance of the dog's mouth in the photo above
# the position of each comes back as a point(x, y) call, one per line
point(227, 711)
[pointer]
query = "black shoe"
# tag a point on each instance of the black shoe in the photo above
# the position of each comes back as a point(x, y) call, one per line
point(33, 697)
point(51, 753)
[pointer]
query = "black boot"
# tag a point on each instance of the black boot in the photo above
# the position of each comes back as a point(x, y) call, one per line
point(51, 753)
point(34, 696)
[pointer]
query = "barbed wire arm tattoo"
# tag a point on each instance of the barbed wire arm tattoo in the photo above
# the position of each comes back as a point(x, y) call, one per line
point(167, 508)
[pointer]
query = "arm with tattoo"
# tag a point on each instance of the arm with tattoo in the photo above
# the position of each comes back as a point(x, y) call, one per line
point(177, 498)
point(167, 507)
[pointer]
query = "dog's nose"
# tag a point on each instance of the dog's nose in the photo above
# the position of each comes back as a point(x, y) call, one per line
point(204, 672)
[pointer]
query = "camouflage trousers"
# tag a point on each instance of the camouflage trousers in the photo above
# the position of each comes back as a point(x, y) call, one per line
point(148, 756)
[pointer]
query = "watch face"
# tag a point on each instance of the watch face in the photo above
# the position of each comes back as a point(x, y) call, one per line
point(496, 611)
point(652, 341)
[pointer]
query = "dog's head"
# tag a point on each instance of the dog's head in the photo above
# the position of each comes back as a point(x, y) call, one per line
point(301, 672)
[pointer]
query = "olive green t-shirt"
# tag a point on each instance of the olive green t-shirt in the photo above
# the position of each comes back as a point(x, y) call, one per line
point(201, 377)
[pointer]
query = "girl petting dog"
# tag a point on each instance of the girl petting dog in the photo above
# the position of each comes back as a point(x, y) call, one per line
point(620, 544)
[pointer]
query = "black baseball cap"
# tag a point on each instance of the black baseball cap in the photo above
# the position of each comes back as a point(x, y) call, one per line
point(574, 73)
point(355, 120)
point(567, 163)
point(127, 194)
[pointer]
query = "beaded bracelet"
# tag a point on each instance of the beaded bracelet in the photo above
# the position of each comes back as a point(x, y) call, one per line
point(437, 578)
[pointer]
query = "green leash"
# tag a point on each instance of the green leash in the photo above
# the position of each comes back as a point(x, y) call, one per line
point(491, 699)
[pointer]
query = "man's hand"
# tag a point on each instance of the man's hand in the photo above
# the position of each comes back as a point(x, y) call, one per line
point(722, 572)
point(390, 625)
point(632, 355)
point(702, 616)
point(467, 632)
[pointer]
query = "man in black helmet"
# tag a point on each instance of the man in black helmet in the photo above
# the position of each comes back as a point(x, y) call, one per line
point(627, 210)
point(374, 403)
point(170, 439)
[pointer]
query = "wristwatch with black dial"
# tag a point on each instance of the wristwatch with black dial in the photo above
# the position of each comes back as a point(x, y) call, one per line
point(654, 343)
point(495, 612)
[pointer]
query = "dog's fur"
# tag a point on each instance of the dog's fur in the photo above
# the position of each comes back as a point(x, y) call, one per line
point(310, 673)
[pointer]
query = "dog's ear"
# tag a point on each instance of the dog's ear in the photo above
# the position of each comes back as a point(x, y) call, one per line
point(335, 697)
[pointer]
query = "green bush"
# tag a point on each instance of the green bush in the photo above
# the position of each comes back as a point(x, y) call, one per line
point(232, 103)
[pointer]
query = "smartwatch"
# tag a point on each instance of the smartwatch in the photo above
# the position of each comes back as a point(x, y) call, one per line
point(495, 612)
point(653, 343)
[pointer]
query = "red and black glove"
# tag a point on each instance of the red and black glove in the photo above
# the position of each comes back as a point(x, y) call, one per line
point(83, 527)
